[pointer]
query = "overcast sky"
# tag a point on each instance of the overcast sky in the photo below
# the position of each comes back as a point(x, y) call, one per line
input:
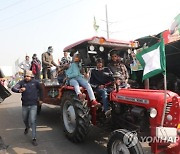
point(30, 26)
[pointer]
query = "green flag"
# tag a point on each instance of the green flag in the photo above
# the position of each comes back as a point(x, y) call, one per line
point(96, 27)
point(153, 60)
point(175, 26)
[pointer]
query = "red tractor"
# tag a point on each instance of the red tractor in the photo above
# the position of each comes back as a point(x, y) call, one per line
point(137, 114)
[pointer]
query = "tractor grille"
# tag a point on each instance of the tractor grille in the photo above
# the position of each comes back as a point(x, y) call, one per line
point(168, 107)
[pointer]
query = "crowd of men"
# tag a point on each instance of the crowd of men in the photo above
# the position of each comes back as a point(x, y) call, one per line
point(45, 65)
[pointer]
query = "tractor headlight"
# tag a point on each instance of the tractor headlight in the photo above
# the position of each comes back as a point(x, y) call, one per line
point(153, 112)
point(101, 48)
point(91, 47)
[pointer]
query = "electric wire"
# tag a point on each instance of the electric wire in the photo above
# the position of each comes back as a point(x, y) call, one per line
point(20, 13)
point(20, 1)
point(50, 12)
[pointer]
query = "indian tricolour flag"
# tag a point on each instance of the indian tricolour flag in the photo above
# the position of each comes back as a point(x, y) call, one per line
point(153, 60)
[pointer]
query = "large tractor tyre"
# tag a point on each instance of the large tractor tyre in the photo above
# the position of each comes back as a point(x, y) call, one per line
point(124, 142)
point(75, 117)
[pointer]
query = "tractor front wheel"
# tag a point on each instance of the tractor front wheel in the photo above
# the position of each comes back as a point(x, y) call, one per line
point(124, 142)
point(75, 117)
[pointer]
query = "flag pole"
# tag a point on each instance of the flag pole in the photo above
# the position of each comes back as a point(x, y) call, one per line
point(165, 99)
point(107, 22)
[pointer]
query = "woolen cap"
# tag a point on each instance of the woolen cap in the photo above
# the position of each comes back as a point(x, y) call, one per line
point(28, 73)
point(50, 47)
point(34, 56)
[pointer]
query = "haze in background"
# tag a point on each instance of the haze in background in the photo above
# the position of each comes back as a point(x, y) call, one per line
point(30, 26)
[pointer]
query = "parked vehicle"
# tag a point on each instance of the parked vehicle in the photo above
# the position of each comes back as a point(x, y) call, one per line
point(137, 114)
point(4, 93)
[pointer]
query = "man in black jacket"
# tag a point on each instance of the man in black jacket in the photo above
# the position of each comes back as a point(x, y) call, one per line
point(30, 90)
point(100, 80)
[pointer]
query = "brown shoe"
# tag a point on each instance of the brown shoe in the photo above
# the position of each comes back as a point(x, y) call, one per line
point(94, 103)
point(82, 97)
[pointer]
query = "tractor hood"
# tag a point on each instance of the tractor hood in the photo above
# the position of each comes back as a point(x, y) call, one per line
point(142, 97)
point(152, 99)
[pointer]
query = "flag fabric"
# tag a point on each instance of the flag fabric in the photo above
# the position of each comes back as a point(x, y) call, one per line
point(153, 60)
point(175, 26)
point(96, 27)
point(17, 65)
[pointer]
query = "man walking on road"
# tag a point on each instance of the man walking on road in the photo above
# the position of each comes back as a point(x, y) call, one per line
point(30, 89)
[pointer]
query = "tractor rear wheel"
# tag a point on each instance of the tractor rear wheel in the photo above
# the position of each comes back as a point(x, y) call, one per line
point(124, 142)
point(75, 117)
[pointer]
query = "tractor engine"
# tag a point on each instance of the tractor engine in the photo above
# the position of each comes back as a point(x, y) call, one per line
point(130, 117)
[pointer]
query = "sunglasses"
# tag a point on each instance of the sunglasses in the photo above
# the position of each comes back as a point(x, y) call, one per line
point(27, 76)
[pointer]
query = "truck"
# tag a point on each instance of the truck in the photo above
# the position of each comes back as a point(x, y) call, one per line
point(137, 115)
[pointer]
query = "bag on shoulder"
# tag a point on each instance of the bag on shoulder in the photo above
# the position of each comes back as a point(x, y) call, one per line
point(34, 69)
point(39, 66)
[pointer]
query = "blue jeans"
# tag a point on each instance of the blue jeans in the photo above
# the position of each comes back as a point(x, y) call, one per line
point(104, 94)
point(75, 82)
point(29, 114)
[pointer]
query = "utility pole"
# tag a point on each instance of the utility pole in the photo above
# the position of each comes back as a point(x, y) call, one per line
point(107, 23)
